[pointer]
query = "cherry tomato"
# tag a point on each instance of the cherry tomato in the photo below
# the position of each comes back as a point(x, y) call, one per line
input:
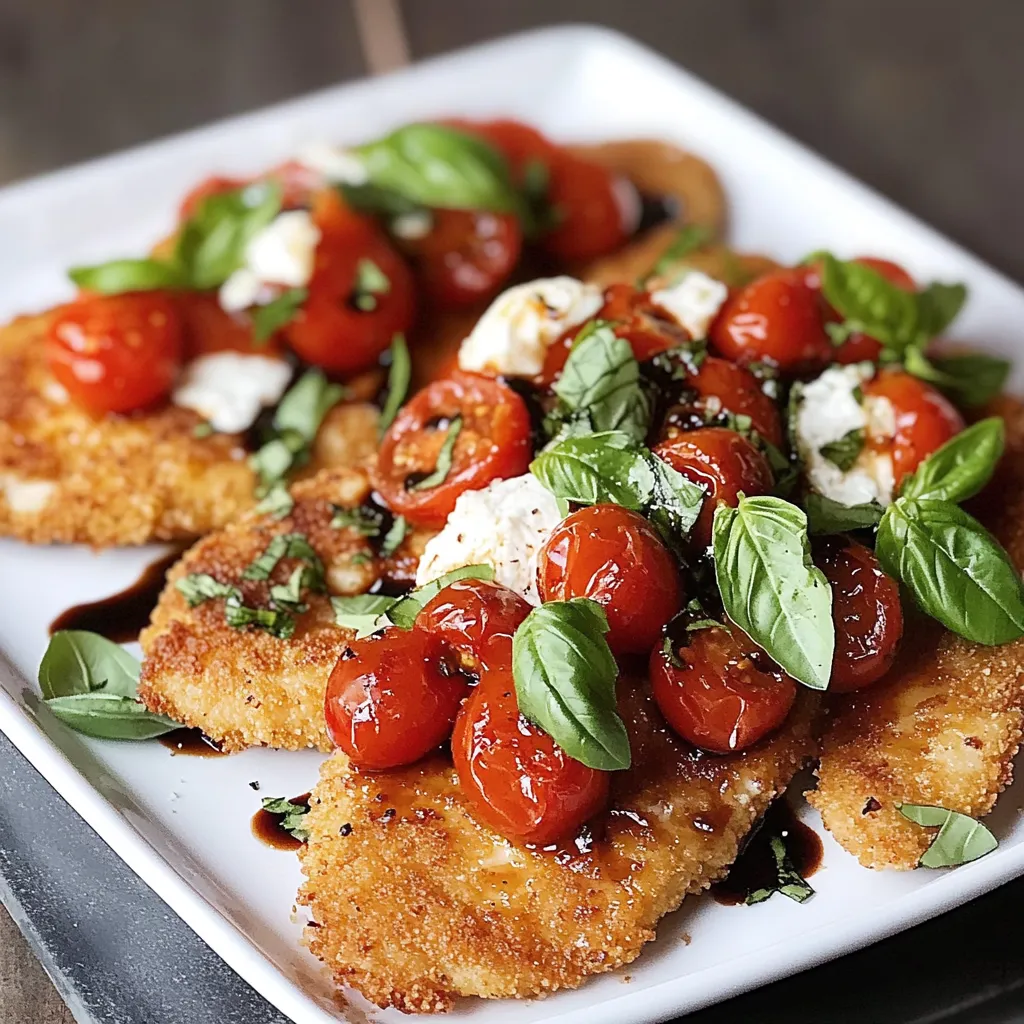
point(492, 444)
point(393, 698)
point(477, 619)
point(515, 777)
point(616, 558)
point(518, 143)
point(720, 386)
point(208, 328)
point(924, 420)
point(778, 319)
point(466, 257)
point(723, 463)
point(116, 353)
point(866, 611)
point(727, 695)
point(337, 327)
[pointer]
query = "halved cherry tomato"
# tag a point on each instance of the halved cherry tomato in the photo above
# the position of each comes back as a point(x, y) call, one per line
point(777, 318)
point(616, 558)
point(515, 777)
point(477, 619)
point(723, 463)
point(727, 694)
point(336, 327)
point(720, 386)
point(866, 611)
point(466, 256)
point(116, 353)
point(393, 698)
point(493, 444)
point(924, 420)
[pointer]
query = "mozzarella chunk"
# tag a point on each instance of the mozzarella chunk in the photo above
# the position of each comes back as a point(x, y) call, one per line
point(694, 301)
point(228, 389)
point(505, 525)
point(26, 495)
point(335, 163)
point(515, 333)
point(831, 407)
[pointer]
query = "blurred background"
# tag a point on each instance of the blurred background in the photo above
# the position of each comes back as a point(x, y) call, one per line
point(920, 98)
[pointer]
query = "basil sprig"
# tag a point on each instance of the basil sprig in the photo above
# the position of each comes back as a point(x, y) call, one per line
point(399, 376)
point(445, 456)
point(565, 677)
point(960, 839)
point(970, 380)
point(962, 466)
point(91, 685)
point(770, 587)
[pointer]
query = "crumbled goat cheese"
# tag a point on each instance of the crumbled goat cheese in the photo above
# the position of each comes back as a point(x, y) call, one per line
point(335, 163)
point(26, 495)
point(694, 301)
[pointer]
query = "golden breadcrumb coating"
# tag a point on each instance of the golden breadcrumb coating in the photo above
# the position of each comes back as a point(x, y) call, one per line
point(244, 687)
point(414, 903)
point(944, 726)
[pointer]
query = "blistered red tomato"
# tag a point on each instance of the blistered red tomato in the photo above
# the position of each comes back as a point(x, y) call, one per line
point(616, 558)
point(865, 609)
point(776, 319)
point(116, 353)
point(393, 698)
point(723, 463)
point(515, 777)
point(493, 443)
point(720, 692)
point(519, 143)
point(208, 328)
point(924, 420)
point(361, 293)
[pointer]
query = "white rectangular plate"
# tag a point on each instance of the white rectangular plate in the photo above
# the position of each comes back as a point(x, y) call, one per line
point(183, 823)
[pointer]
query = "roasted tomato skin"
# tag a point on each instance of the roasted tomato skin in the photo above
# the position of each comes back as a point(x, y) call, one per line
point(722, 462)
point(476, 619)
point(777, 319)
point(516, 779)
point(726, 696)
point(614, 557)
point(924, 418)
point(493, 444)
point(866, 610)
point(330, 330)
point(392, 698)
point(116, 353)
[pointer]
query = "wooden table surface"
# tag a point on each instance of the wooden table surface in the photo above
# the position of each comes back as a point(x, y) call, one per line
point(921, 98)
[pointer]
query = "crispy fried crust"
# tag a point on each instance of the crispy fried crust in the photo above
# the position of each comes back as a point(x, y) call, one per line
point(944, 727)
point(67, 477)
point(414, 903)
point(245, 687)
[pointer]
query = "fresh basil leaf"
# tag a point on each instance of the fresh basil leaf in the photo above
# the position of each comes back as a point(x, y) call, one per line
point(109, 716)
point(789, 881)
point(369, 198)
point(770, 587)
point(675, 502)
point(276, 459)
point(844, 452)
point(960, 839)
point(954, 568)
point(404, 611)
point(129, 275)
point(539, 215)
point(962, 466)
point(361, 612)
point(687, 239)
point(366, 522)
point(288, 596)
point(444, 459)
point(565, 677)
point(393, 538)
point(292, 814)
point(285, 545)
point(826, 516)
point(399, 376)
point(941, 304)
point(438, 166)
point(198, 587)
point(78, 662)
point(969, 380)
point(278, 502)
point(370, 282)
point(268, 319)
point(279, 624)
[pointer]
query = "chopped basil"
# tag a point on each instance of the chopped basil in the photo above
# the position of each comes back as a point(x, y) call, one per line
point(366, 522)
point(371, 281)
point(288, 596)
point(284, 545)
point(825, 516)
point(198, 587)
point(278, 502)
point(962, 466)
point(844, 452)
point(399, 376)
point(444, 459)
point(277, 623)
point(393, 538)
point(960, 839)
point(204, 429)
point(129, 275)
point(789, 881)
point(969, 380)
point(404, 611)
point(292, 814)
point(361, 612)
point(268, 319)
point(687, 239)
point(565, 677)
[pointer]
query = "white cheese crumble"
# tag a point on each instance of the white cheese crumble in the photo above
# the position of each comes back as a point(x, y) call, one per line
point(413, 225)
point(517, 329)
point(26, 495)
point(505, 525)
point(228, 389)
point(831, 406)
point(693, 302)
point(335, 163)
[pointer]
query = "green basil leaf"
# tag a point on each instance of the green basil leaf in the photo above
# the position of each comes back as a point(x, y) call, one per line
point(941, 304)
point(770, 587)
point(675, 502)
point(129, 275)
point(288, 596)
point(969, 380)
point(844, 452)
point(404, 611)
point(960, 839)
point(361, 612)
point(284, 545)
point(279, 624)
point(962, 466)
point(788, 880)
point(826, 516)
point(292, 814)
point(267, 320)
point(78, 662)
point(444, 459)
point(366, 522)
point(393, 538)
point(369, 198)
point(435, 165)
point(198, 587)
point(687, 239)
point(565, 677)
point(276, 459)
point(954, 568)
point(539, 215)
point(370, 282)
point(399, 376)
point(109, 716)
point(278, 502)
